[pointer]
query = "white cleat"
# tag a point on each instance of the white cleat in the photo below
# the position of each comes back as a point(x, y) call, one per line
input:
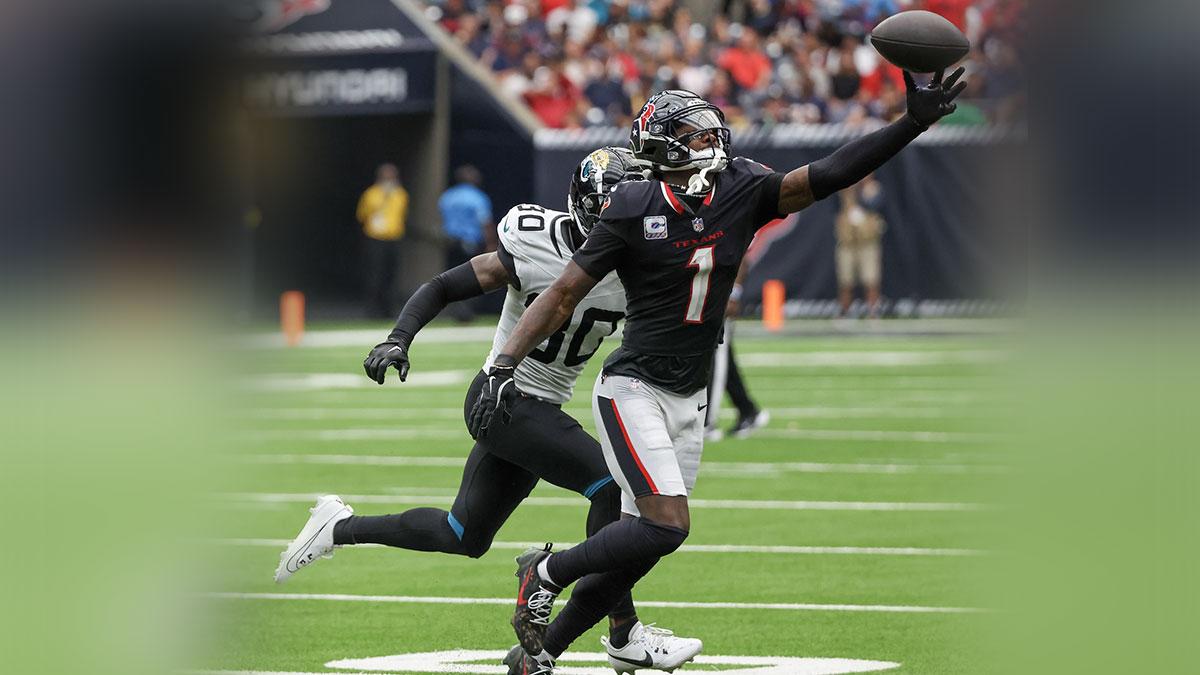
point(315, 540)
point(652, 647)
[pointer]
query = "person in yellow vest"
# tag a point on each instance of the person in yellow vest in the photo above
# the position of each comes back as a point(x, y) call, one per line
point(382, 210)
point(859, 227)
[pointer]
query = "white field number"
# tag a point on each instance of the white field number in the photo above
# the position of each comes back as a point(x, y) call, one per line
point(702, 260)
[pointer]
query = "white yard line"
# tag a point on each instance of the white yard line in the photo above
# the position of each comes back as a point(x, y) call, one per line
point(891, 380)
point(745, 469)
point(280, 382)
point(352, 460)
point(839, 412)
point(428, 600)
point(870, 395)
point(873, 359)
point(407, 412)
point(363, 338)
point(456, 413)
point(727, 469)
point(884, 436)
point(753, 504)
point(686, 548)
point(386, 434)
point(409, 433)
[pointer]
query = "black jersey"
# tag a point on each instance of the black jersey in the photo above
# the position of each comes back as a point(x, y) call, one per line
point(677, 258)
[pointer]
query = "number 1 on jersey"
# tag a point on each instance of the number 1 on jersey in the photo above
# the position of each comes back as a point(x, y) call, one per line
point(702, 260)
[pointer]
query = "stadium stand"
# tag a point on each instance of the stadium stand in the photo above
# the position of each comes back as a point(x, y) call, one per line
point(590, 63)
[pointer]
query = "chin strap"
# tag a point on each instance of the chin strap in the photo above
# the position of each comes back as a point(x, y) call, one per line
point(699, 183)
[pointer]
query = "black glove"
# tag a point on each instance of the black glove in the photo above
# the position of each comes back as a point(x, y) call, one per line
point(934, 101)
point(499, 393)
point(383, 355)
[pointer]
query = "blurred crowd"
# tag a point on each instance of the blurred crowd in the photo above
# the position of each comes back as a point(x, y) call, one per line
point(583, 63)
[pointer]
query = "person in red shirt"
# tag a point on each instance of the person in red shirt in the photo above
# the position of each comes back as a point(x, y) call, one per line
point(553, 97)
point(745, 63)
point(954, 10)
point(551, 5)
point(883, 75)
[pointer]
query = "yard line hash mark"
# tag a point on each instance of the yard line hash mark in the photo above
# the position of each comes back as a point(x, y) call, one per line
point(740, 469)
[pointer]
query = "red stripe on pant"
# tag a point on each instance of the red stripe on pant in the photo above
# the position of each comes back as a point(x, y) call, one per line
point(629, 444)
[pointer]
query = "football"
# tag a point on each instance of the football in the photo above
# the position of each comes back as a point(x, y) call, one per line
point(920, 42)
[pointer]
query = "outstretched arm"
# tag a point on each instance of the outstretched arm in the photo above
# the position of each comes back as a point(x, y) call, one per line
point(858, 159)
point(546, 315)
point(484, 273)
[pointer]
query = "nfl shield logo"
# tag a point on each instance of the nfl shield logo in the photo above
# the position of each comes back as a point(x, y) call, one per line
point(698, 224)
point(654, 227)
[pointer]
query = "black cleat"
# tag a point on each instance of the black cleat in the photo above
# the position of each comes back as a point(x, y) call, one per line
point(520, 663)
point(535, 601)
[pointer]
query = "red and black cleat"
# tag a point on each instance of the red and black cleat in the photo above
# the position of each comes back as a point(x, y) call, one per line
point(535, 601)
point(520, 663)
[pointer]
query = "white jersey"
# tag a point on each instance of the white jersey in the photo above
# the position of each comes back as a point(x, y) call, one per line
point(539, 242)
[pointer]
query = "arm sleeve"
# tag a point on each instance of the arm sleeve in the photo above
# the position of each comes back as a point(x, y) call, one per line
point(857, 159)
point(459, 283)
point(601, 252)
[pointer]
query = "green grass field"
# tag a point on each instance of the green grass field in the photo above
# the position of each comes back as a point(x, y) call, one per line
point(872, 486)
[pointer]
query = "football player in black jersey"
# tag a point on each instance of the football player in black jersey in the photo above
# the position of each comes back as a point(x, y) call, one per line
point(676, 243)
point(540, 441)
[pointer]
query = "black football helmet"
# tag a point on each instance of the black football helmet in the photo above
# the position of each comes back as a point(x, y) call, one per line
point(656, 136)
point(596, 176)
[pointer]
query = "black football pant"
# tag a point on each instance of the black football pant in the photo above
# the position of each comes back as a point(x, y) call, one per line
point(540, 442)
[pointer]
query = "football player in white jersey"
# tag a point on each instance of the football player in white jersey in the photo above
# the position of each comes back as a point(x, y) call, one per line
point(540, 441)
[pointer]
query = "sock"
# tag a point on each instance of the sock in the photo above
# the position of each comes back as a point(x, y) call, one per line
point(623, 609)
point(544, 573)
point(617, 545)
point(618, 636)
point(423, 529)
